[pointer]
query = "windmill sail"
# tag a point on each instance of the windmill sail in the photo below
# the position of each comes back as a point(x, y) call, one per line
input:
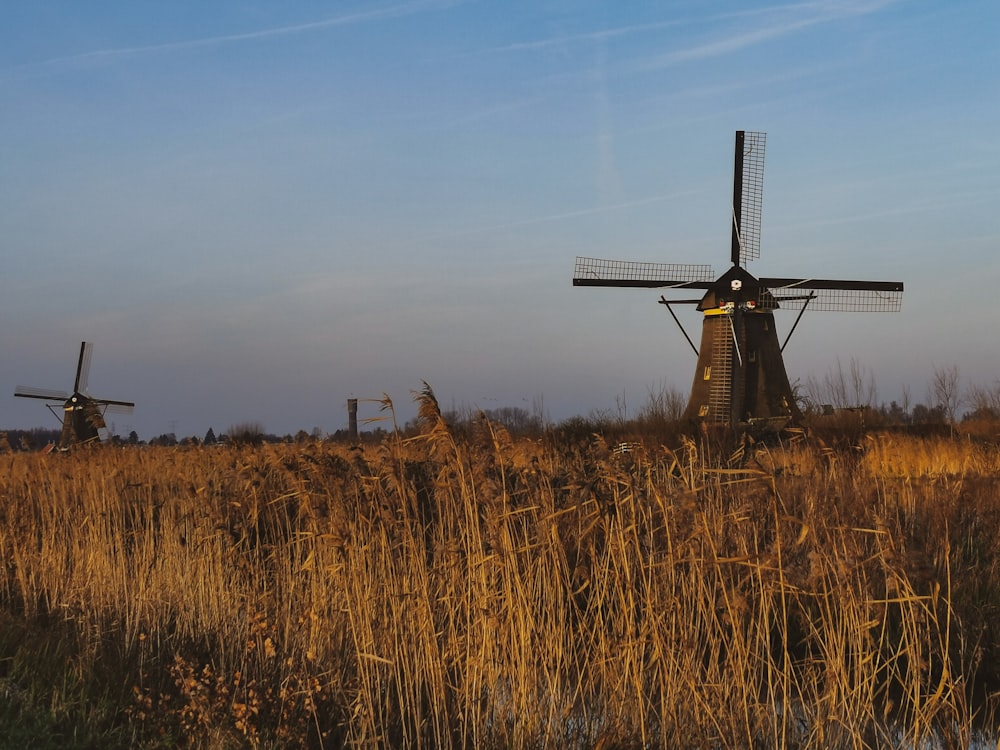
point(83, 367)
point(748, 195)
point(834, 295)
point(47, 394)
point(600, 272)
point(120, 407)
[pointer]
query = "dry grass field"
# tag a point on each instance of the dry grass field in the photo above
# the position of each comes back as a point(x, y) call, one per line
point(483, 592)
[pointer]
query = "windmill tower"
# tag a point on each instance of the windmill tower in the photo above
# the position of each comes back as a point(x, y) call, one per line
point(740, 378)
point(83, 414)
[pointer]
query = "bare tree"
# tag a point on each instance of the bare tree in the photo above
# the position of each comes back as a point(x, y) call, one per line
point(835, 381)
point(984, 401)
point(862, 385)
point(622, 405)
point(945, 392)
point(538, 411)
point(906, 399)
point(843, 389)
point(664, 404)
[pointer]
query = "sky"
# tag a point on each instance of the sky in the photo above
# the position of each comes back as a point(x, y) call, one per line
point(258, 210)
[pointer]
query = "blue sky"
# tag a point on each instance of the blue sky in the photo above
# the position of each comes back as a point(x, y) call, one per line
point(257, 210)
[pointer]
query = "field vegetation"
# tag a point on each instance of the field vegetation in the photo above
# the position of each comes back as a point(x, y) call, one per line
point(454, 586)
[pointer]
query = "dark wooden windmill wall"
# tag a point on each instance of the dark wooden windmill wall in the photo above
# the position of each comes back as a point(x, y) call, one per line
point(762, 389)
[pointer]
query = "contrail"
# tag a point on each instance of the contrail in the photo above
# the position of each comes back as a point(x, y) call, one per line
point(570, 214)
point(390, 11)
point(821, 10)
point(813, 14)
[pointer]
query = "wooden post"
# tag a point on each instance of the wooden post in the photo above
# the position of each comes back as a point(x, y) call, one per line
point(352, 418)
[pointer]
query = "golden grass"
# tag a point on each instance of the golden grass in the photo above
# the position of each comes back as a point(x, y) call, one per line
point(431, 592)
point(898, 456)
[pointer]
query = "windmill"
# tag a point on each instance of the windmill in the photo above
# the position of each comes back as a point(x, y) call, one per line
point(83, 414)
point(740, 378)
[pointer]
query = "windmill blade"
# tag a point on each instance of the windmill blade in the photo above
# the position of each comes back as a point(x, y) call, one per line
point(624, 273)
point(748, 195)
point(118, 409)
point(121, 407)
point(833, 295)
point(83, 367)
point(47, 394)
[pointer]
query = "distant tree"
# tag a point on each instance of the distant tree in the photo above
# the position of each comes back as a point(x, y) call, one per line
point(577, 429)
point(984, 402)
point(33, 439)
point(981, 415)
point(665, 404)
point(945, 392)
point(905, 406)
point(133, 438)
point(210, 437)
point(601, 418)
point(923, 415)
point(247, 433)
point(843, 389)
point(894, 413)
point(515, 419)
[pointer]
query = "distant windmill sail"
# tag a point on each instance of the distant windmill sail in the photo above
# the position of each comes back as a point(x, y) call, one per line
point(83, 414)
point(740, 377)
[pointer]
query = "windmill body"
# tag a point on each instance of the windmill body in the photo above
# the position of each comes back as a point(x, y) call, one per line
point(733, 330)
point(83, 414)
point(740, 378)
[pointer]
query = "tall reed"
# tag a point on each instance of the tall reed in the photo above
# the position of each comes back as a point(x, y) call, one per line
point(480, 592)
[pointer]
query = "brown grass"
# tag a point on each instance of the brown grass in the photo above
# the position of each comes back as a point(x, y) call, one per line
point(431, 592)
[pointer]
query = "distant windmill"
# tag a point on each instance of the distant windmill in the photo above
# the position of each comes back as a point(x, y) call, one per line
point(740, 378)
point(83, 414)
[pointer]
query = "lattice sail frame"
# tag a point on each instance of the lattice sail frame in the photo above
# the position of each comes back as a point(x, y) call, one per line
point(639, 273)
point(83, 367)
point(754, 145)
point(833, 300)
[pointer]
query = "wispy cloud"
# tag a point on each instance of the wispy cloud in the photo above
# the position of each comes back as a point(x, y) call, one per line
point(348, 19)
point(780, 21)
point(566, 215)
point(588, 36)
point(810, 13)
